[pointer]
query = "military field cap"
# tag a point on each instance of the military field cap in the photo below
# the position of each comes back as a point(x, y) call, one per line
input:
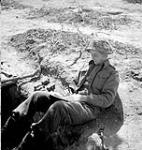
point(101, 46)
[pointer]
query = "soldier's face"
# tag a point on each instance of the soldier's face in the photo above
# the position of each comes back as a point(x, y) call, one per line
point(97, 57)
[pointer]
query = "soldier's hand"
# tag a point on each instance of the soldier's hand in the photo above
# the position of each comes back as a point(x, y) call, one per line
point(83, 92)
point(74, 97)
point(94, 142)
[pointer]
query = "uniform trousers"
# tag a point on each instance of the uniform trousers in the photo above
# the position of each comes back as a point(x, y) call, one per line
point(58, 112)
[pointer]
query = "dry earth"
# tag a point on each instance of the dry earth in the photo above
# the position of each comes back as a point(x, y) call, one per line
point(53, 34)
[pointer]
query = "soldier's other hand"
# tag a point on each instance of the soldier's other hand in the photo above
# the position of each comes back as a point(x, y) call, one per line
point(83, 92)
point(74, 97)
point(94, 142)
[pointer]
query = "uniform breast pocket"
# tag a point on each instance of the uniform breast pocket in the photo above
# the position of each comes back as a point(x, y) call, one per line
point(100, 81)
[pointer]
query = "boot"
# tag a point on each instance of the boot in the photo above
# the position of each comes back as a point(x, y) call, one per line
point(26, 143)
point(13, 131)
point(33, 140)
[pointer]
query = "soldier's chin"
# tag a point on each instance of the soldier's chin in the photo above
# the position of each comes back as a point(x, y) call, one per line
point(94, 61)
point(92, 147)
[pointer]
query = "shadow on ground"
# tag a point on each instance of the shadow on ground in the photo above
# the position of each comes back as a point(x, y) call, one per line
point(134, 1)
point(113, 142)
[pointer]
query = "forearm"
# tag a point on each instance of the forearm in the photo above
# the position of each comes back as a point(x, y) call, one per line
point(103, 101)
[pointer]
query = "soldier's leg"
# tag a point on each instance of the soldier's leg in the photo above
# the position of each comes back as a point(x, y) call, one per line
point(38, 102)
point(20, 120)
point(59, 114)
point(13, 130)
point(63, 113)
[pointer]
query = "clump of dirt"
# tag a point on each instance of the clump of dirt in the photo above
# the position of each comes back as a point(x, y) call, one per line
point(81, 16)
point(11, 4)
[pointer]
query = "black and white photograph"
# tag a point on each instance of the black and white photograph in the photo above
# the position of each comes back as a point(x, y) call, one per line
point(71, 74)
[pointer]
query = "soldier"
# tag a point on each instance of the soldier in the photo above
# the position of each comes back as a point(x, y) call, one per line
point(96, 90)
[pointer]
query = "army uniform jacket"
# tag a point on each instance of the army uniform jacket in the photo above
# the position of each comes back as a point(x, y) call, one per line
point(103, 81)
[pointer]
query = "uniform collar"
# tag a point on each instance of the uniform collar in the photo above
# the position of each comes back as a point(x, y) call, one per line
point(105, 63)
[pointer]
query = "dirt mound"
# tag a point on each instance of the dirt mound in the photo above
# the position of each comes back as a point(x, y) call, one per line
point(61, 54)
point(44, 45)
point(53, 38)
point(58, 53)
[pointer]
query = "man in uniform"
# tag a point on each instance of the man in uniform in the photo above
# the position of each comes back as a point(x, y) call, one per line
point(96, 89)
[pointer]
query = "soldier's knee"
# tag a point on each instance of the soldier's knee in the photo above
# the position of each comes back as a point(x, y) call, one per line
point(37, 96)
point(59, 107)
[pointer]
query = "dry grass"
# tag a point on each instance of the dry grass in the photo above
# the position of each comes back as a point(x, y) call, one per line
point(55, 41)
point(44, 45)
point(81, 16)
point(125, 49)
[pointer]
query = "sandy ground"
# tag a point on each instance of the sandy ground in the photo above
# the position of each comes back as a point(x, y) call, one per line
point(14, 21)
